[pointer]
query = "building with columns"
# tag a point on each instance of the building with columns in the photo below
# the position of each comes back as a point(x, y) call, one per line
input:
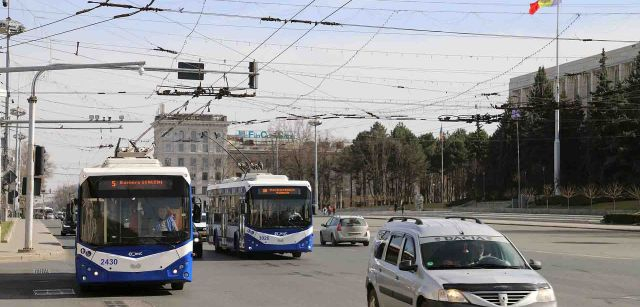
point(184, 145)
point(579, 78)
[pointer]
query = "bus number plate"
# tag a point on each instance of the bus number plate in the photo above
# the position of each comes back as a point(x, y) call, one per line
point(109, 261)
point(264, 238)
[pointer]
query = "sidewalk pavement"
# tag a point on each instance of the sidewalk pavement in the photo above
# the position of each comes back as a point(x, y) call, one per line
point(632, 228)
point(45, 245)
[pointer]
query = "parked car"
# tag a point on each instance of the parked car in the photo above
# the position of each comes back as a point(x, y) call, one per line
point(451, 262)
point(339, 229)
point(50, 216)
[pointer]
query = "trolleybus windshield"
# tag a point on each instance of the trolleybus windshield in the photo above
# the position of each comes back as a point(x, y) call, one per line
point(279, 207)
point(134, 210)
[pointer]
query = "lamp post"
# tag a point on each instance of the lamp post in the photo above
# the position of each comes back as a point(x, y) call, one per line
point(315, 123)
point(28, 244)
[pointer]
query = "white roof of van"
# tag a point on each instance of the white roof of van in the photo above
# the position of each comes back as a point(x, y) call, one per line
point(432, 227)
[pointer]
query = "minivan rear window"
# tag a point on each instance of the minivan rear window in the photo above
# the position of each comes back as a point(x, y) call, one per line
point(353, 222)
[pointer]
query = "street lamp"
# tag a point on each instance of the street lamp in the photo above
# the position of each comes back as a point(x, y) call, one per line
point(315, 123)
point(28, 244)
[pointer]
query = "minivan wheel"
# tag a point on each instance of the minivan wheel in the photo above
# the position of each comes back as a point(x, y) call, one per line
point(372, 299)
point(333, 240)
point(177, 285)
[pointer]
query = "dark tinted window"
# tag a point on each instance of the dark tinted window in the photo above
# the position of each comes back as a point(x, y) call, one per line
point(380, 250)
point(393, 251)
point(409, 251)
point(353, 222)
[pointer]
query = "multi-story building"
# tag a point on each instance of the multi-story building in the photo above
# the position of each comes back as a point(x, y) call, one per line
point(183, 144)
point(578, 79)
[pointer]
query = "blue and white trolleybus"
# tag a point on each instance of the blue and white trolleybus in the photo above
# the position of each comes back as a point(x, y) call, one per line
point(134, 223)
point(261, 213)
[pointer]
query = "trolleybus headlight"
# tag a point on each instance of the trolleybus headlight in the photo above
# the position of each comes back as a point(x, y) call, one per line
point(175, 271)
point(84, 277)
point(95, 273)
point(185, 275)
point(89, 269)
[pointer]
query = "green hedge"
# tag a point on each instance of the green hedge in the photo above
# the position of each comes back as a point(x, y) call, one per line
point(622, 219)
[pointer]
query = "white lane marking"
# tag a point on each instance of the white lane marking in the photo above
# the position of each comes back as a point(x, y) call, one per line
point(580, 255)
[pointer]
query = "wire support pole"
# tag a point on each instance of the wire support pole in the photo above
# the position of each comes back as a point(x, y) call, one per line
point(556, 143)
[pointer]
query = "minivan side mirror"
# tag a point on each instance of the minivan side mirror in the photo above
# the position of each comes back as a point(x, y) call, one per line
point(408, 266)
point(536, 265)
point(323, 225)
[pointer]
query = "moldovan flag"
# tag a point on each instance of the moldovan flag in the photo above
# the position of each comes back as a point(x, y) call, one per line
point(533, 8)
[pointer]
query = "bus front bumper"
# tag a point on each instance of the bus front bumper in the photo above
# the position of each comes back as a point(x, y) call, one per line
point(88, 272)
point(252, 245)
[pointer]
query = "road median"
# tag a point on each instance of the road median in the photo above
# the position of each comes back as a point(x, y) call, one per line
point(45, 245)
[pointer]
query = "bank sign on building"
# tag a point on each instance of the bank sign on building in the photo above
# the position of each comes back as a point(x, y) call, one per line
point(264, 135)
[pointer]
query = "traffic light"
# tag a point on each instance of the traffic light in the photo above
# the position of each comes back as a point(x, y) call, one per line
point(39, 161)
point(37, 185)
point(253, 75)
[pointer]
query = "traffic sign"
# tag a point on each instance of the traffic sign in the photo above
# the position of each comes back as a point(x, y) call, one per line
point(191, 75)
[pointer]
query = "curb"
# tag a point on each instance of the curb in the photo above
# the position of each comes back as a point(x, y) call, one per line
point(544, 224)
point(10, 234)
point(28, 257)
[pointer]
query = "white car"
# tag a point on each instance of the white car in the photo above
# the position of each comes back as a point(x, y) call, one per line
point(454, 261)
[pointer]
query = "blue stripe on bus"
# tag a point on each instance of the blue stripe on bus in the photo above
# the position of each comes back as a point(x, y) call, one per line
point(166, 275)
point(252, 245)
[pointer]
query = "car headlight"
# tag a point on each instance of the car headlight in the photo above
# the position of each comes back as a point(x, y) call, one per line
point(546, 295)
point(451, 295)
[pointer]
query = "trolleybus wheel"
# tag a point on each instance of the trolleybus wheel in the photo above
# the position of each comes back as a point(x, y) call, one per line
point(85, 288)
point(177, 285)
point(366, 243)
point(296, 254)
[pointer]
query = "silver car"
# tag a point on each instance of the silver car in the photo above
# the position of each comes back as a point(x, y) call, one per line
point(451, 262)
point(340, 229)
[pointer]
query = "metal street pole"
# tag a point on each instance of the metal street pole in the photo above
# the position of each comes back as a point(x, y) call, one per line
point(28, 244)
point(518, 145)
point(17, 112)
point(442, 163)
point(315, 123)
point(5, 144)
point(556, 143)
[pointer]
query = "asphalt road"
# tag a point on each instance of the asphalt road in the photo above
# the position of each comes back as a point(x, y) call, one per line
point(586, 267)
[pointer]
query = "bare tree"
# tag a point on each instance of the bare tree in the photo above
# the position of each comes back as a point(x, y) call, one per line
point(613, 191)
point(568, 192)
point(591, 191)
point(530, 193)
point(634, 191)
point(548, 191)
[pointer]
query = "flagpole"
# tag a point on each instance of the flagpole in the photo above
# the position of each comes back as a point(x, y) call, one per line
point(556, 143)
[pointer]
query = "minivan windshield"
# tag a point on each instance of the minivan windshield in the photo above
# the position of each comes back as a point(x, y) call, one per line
point(469, 252)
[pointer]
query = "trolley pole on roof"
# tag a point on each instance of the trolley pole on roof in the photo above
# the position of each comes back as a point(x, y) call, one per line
point(28, 242)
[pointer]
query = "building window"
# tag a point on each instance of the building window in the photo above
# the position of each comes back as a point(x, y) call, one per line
point(205, 136)
point(218, 176)
point(180, 161)
point(167, 162)
point(205, 176)
point(205, 163)
point(181, 135)
point(168, 146)
point(194, 137)
point(193, 162)
point(180, 146)
point(193, 175)
point(204, 190)
point(193, 147)
point(218, 163)
point(205, 147)
point(193, 190)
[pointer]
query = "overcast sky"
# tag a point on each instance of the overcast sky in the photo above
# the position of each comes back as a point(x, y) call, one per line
point(335, 69)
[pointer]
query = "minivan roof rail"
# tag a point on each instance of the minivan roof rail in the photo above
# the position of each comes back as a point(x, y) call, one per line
point(464, 218)
point(404, 219)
